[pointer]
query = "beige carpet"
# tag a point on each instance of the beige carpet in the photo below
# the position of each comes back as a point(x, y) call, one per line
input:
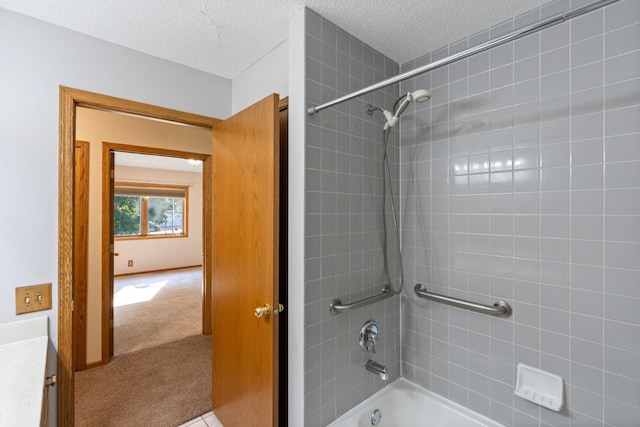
point(161, 372)
point(165, 385)
point(156, 308)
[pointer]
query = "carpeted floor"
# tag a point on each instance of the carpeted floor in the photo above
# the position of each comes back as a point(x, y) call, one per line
point(161, 372)
point(165, 385)
point(156, 308)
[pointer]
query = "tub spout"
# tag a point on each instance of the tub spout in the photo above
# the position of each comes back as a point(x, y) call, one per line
point(378, 369)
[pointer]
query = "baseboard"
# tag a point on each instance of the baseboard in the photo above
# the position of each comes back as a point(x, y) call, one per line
point(157, 271)
point(94, 365)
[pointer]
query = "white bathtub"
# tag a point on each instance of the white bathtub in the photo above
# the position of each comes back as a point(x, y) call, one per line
point(404, 404)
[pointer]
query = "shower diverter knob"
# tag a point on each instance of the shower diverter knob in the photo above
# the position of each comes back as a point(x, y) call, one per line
point(369, 336)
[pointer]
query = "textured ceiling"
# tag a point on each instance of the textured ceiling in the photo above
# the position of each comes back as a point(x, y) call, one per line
point(225, 37)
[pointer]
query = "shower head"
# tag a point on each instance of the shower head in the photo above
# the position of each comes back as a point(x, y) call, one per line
point(418, 95)
point(421, 95)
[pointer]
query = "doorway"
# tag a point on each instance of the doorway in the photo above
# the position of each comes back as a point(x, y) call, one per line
point(70, 99)
point(155, 248)
point(157, 265)
point(156, 216)
point(148, 175)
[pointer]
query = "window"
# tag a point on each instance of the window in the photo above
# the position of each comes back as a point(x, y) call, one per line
point(149, 210)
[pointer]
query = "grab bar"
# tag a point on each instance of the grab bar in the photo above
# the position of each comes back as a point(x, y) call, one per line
point(337, 307)
point(498, 309)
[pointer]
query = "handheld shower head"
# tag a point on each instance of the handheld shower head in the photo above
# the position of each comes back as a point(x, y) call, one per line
point(421, 95)
point(418, 95)
point(403, 105)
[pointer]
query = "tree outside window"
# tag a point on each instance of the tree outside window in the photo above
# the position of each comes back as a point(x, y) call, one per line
point(149, 211)
point(165, 215)
point(126, 216)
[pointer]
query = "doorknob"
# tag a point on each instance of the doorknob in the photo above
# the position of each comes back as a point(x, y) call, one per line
point(279, 310)
point(266, 310)
point(263, 311)
point(116, 254)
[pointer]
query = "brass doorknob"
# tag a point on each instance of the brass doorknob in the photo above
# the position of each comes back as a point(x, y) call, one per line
point(263, 311)
point(116, 254)
point(266, 310)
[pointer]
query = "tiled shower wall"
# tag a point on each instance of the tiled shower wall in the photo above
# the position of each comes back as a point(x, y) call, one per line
point(521, 181)
point(343, 222)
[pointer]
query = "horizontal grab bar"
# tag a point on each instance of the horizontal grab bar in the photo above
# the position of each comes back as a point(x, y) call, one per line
point(337, 307)
point(499, 308)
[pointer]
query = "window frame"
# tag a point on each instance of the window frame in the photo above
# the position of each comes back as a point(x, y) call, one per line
point(144, 208)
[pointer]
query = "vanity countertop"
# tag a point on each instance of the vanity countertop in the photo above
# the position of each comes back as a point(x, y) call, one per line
point(23, 360)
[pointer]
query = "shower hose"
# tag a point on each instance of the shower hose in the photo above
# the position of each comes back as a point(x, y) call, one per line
point(386, 179)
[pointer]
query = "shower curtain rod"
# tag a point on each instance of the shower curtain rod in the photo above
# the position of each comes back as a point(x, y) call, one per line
point(514, 35)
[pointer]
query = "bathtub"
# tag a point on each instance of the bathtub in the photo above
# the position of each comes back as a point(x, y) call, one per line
point(404, 404)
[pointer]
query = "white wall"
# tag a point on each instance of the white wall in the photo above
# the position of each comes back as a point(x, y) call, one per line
point(270, 74)
point(296, 218)
point(35, 59)
point(163, 253)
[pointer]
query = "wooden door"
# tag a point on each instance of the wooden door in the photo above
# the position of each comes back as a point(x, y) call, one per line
point(245, 266)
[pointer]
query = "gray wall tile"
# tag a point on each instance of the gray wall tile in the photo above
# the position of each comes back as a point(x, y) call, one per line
point(518, 180)
point(577, 267)
point(621, 41)
point(586, 402)
point(587, 76)
point(587, 26)
point(342, 248)
point(587, 51)
point(621, 14)
point(619, 414)
point(556, 60)
point(623, 67)
point(622, 362)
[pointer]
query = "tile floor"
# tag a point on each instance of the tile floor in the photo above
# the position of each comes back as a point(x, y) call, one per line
point(206, 420)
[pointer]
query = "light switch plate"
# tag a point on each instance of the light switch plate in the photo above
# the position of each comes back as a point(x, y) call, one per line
point(33, 298)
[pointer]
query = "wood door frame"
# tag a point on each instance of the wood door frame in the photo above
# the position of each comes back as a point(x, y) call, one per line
point(81, 237)
point(69, 99)
point(107, 235)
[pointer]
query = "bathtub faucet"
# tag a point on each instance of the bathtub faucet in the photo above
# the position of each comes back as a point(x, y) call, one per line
point(378, 369)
